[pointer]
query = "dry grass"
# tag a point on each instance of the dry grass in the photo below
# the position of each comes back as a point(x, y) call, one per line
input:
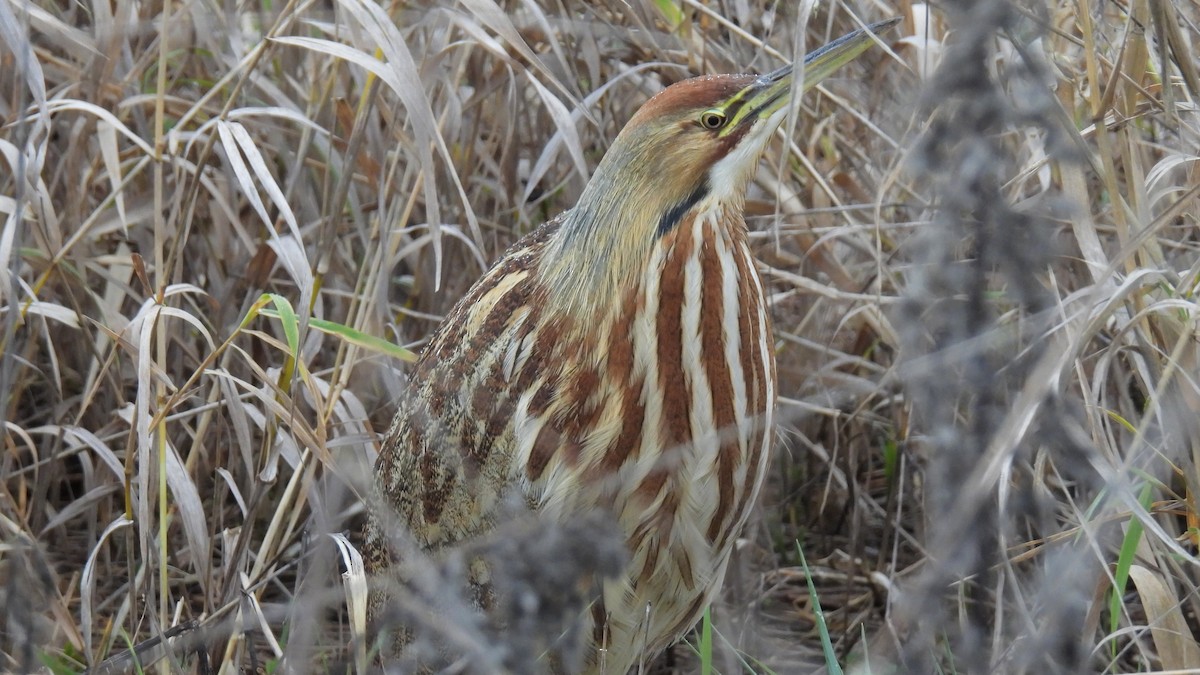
point(982, 247)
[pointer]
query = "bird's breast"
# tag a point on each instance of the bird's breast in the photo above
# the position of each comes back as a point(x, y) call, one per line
point(662, 415)
point(657, 409)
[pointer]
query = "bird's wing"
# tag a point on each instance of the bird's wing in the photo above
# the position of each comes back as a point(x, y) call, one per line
point(448, 457)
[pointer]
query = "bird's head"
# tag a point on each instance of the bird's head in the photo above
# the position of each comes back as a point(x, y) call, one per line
point(693, 147)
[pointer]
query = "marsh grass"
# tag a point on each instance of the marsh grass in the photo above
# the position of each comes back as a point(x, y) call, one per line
point(981, 245)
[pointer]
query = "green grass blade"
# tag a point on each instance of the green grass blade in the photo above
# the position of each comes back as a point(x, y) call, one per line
point(671, 12)
point(291, 325)
point(831, 663)
point(706, 642)
point(1133, 535)
point(356, 337)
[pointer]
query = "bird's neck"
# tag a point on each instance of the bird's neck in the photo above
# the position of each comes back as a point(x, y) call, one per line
point(606, 247)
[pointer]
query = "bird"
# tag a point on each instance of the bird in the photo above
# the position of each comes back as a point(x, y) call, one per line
point(618, 358)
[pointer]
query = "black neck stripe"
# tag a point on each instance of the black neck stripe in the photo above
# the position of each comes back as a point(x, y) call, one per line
point(676, 213)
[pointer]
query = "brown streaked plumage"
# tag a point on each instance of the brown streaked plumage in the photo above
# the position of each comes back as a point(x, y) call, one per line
point(617, 358)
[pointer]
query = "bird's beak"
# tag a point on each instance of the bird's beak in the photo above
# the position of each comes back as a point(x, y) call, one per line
point(769, 93)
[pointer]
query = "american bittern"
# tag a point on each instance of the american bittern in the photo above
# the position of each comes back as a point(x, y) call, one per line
point(619, 357)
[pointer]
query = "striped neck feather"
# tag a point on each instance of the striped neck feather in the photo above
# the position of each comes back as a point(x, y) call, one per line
point(654, 177)
point(604, 247)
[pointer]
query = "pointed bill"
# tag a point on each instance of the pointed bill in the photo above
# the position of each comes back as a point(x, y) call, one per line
point(769, 92)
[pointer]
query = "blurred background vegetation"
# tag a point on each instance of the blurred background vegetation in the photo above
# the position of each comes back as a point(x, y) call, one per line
point(217, 220)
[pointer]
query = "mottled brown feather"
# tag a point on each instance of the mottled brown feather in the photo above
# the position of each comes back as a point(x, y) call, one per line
point(677, 427)
point(555, 339)
point(716, 368)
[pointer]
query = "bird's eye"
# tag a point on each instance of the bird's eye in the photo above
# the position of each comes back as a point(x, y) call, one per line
point(712, 119)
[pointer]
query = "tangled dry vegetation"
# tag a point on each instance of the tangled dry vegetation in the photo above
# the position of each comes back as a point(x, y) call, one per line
point(981, 242)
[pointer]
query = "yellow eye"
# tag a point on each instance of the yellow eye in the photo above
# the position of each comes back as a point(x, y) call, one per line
point(712, 119)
